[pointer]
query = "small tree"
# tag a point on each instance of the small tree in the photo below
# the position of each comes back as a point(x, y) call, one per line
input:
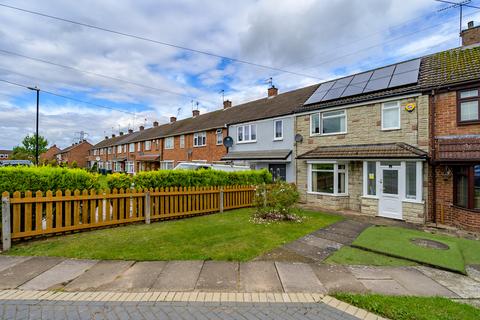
point(27, 150)
point(276, 201)
point(74, 164)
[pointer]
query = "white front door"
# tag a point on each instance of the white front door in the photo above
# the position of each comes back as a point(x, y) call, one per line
point(390, 203)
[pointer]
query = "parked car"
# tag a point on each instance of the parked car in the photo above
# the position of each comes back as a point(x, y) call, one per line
point(14, 163)
point(197, 166)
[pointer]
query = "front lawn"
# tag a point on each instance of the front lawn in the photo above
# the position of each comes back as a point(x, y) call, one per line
point(411, 308)
point(397, 242)
point(354, 256)
point(228, 236)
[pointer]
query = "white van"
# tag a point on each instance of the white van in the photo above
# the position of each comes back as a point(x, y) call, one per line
point(221, 167)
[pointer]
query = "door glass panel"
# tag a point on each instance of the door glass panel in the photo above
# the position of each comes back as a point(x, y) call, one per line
point(390, 181)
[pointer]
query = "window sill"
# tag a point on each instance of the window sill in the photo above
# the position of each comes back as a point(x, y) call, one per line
point(244, 142)
point(413, 201)
point(466, 123)
point(327, 134)
point(279, 139)
point(200, 146)
point(370, 197)
point(328, 194)
point(391, 129)
point(466, 209)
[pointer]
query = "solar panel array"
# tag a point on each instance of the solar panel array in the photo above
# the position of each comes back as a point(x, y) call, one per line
point(392, 76)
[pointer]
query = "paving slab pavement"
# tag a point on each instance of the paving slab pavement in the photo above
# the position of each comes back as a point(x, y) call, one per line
point(59, 275)
point(259, 276)
point(463, 286)
point(313, 252)
point(370, 273)
point(298, 277)
point(139, 277)
point(100, 274)
point(218, 276)
point(473, 272)
point(22, 272)
point(178, 276)
point(337, 278)
point(385, 286)
point(9, 261)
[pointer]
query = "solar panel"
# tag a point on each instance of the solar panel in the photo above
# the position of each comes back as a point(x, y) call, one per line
point(396, 75)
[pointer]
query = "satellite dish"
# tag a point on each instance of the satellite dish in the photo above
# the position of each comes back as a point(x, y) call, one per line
point(298, 137)
point(228, 142)
point(97, 158)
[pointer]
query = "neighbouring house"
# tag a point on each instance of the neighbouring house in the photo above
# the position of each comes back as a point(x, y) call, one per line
point(363, 144)
point(50, 154)
point(454, 76)
point(263, 132)
point(146, 148)
point(5, 154)
point(77, 152)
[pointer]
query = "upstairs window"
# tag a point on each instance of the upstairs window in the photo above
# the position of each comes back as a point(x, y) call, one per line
point(169, 143)
point(119, 149)
point(468, 106)
point(391, 115)
point(139, 146)
point(131, 147)
point(278, 130)
point(182, 141)
point(219, 137)
point(247, 133)
point(148, 145)
point(200, 139)
point(331, 122)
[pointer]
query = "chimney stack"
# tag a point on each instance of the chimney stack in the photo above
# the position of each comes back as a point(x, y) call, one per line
point(471, 35)
point(106, 138)
point(195, 113)
point(173, 119)
point(272, 91)
point(121, 133)
point(113, 135)
point(227, 104)
point(130, 130)
point(155, 123)
point(141, 128)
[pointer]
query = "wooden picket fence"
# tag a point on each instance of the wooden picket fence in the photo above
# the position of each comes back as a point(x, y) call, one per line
point(41, 214)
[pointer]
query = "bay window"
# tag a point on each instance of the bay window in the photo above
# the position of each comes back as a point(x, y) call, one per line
point(466, 185)
point(247, 133)
point(328, 178)
point(330, 122)
point(166, 165)
point(468, 108)
point(391, 115)
point(200, 139)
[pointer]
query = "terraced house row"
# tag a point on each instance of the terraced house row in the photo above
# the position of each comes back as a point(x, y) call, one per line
point(401, 141)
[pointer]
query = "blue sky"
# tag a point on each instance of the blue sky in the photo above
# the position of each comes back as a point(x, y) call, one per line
point(321, 39)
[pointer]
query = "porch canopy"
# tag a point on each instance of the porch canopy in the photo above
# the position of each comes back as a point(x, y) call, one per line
point(258, 155)
point(398, 150)
point(120, 159)
point(458, 148)
point(148, 158)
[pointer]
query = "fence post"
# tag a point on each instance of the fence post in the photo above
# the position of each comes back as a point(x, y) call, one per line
point(221, 200)
point(6, 232)
point(147, 207)
point(264, 195)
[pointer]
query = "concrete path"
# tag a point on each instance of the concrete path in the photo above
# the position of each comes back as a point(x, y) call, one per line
point(69, 275)
point(319, 245)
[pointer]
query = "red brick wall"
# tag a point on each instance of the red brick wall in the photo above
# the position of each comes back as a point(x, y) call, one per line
point(79, 154)
point(446, 117)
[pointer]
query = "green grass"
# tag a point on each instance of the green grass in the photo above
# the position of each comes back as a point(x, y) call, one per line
point(412, 308)
point(228, 236)
point(396, 241)
point(354, 256)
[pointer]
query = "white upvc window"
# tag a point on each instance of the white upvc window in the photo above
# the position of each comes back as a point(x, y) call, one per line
point(219, 136)
point(148, 145)
point(101, 151)
point(278, 130)
point(329, 178)
point(391, 115)
point(247, 133)
point(200, 139)
point(169, 143)
point(182, 141)
point(119, 149)
point(109, 150)
point(117, 166)
point(131, 147)
point(139, 146)
point(329, 122)
point(166, 165)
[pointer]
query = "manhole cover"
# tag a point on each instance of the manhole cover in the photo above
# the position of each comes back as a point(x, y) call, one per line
point(427, 243)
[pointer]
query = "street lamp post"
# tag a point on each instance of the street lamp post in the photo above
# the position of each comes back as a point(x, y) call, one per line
point(36, 123)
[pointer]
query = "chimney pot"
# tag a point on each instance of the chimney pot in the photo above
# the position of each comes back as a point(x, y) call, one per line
point(142, 128)
point(227, 104)
point(272, 91)
point(130, 130)
point(155, 123)
point(471, 35)
point(195, 113)
point(106, 137)
point(121, 133)
point(113, 135)
point(173, 119)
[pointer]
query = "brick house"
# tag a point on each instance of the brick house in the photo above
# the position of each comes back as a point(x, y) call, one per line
point(5, 154)
point(50, 154)
point(77, 152)
point(455, 133)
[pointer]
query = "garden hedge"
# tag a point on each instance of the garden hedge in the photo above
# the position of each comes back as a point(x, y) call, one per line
point(188, 178)
point(45, 178)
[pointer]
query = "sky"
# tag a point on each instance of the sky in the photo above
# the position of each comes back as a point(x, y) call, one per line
point(317, 40)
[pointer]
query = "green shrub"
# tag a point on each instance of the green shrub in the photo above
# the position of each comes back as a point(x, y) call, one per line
point(45, 178)
point(188, 178)
point(275, 201)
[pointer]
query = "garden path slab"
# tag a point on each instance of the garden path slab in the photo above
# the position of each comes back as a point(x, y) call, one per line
point(59, 275)
point(10, 261)
point(306, 250)
point(178, 276)
point(283, 254)
point(100, 274)
point(259, 276)
point(140, 277)
point(370, 273)
point(384, 286)
point(473, 272)
point(298, 277)
point(218, 276)
point(337, 278)
point(20, 273)
point(463, 286)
